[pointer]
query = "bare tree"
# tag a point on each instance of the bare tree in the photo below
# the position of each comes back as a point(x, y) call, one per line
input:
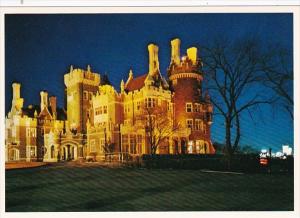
point(234, 74)
point(278, 68)
point(159, 126)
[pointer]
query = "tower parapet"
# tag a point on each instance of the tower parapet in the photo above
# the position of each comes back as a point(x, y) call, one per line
point(189, 63)
point(81, 86)
point(81, 76)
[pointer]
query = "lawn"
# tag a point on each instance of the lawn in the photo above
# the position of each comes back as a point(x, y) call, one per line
point(91, 187)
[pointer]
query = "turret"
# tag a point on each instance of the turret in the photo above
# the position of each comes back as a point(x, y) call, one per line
point(192, 54)
point(175, 51)
point(44, 100)
point(153, 59)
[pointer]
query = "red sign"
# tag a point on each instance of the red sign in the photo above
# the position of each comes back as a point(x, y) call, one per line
point(263, 161)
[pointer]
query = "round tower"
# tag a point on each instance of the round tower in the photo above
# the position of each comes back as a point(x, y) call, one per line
point(192, 111)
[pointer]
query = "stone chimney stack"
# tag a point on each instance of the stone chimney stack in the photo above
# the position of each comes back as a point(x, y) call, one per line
point(17, 101)
point(16, 90)
point(153, 59)
point(52, 101)
point(44, 99)
point(175, 51)
point(192, 54)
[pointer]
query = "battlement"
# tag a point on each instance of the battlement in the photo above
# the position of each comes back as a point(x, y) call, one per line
point(81, 76)
point(189, 63)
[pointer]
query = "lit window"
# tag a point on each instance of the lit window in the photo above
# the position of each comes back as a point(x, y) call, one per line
point(92, 145)
point(125, 146)
point(132, 144)
point(102, 145)
point(85, 95)
point(105, 109)
point(139, 144)
point(189, 123)
point(27, 132)
point(196, 108)
point(150, 102)
point(168, 106)
point(197, 124)
point(188, 107)
point(138, 105)
point(32, 151)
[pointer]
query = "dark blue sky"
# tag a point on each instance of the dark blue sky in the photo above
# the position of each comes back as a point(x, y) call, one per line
point(40, 48)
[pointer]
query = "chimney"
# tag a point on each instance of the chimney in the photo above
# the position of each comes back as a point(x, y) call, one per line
point(175, 51)
point(192, 54)
point(52, 102)
point(153, 59)
point(44, 99)
point(16, 90)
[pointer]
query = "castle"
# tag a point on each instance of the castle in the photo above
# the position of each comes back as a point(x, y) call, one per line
point(150, 115)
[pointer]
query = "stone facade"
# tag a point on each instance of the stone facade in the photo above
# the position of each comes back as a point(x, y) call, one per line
point(149, 115)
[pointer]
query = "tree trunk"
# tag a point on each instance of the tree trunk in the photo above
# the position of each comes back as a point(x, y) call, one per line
point(228, 150)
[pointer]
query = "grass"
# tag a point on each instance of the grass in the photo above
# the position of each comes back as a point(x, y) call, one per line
point(95, 188)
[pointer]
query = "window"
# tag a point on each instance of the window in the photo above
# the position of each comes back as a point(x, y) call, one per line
point(188, 107)
point(92, 145)
point(105, 109)
point(90, 96)
point(132, 144)
point(85, 95)
point(198, 147)
point(138, 105)
point(126, 108)
point(168, 106)
point(102, 145)
point(152, 119)
point(139, 144)
point(98, 110)
point(150, 102)
point(197, 107)
point(125, 143)
point(189, 123)
point(30, 151)
point(33, 132)
point(27, 132)
point(202, 127)
point(197, 124)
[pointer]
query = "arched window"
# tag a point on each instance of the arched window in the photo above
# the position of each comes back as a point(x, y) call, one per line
point(52, 151)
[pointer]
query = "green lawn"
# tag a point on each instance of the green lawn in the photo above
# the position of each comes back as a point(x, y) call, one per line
point(95, 188)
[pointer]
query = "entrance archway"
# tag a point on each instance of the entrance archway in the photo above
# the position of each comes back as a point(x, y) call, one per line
point(69, 151)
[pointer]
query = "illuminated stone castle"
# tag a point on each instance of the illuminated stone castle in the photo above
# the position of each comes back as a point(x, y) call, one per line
point(149, 115)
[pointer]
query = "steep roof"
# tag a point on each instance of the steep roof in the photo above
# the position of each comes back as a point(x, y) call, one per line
point(29, 111)
point(136, 83)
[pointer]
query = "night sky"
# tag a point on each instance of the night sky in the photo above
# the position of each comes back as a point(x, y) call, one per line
point(40, 48)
